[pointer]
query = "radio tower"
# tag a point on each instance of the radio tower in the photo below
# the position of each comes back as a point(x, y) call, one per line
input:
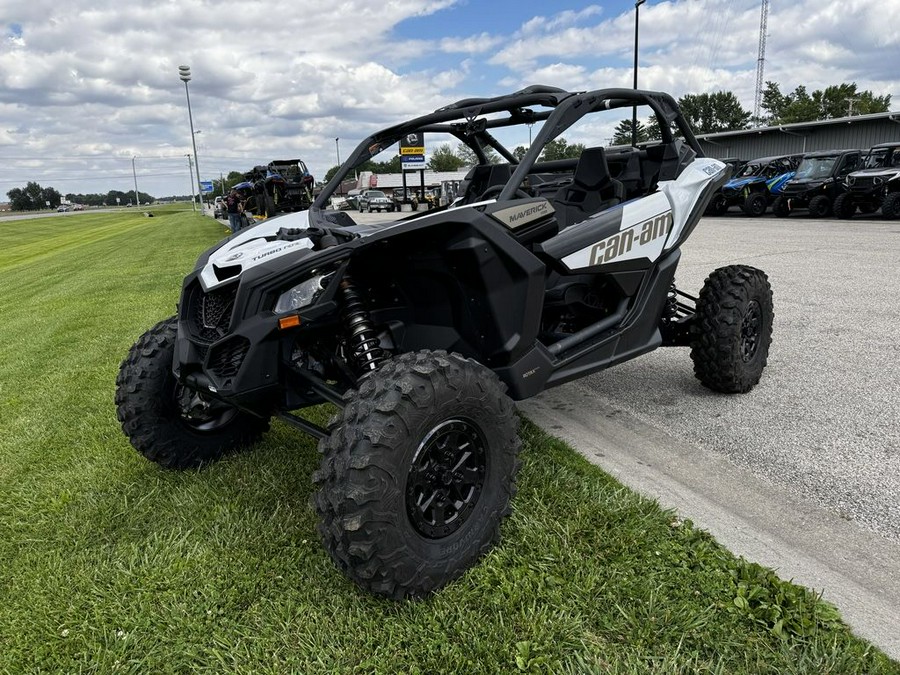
point(761, 61)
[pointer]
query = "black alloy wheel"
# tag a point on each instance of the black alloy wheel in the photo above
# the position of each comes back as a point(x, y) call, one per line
point(751, 327)
point(446, 478)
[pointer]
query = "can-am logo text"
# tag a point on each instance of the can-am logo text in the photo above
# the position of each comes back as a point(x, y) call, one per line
point(622, 242)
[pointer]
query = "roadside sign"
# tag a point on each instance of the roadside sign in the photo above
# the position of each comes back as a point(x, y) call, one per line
point(412, 162)
point(206, 186)
point(413, 144)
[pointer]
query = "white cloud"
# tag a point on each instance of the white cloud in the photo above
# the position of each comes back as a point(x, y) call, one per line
point(99, 78)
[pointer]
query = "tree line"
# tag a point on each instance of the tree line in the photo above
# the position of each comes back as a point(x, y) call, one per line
point(34, 197)
point(722, 111)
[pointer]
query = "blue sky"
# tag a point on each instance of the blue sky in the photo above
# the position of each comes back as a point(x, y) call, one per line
point(84, 90)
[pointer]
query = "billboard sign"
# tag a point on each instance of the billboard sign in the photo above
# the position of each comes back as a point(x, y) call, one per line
point(206, 186)
point(412, 151)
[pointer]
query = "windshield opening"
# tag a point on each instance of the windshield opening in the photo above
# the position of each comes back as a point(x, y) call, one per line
point(816, 167)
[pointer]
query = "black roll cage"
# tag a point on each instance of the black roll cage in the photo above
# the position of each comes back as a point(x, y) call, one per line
point(465, 121)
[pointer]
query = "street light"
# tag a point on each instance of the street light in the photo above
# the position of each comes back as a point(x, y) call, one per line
point(184, 72)
point(337, 148)
point(637, 14)
point(137, 199)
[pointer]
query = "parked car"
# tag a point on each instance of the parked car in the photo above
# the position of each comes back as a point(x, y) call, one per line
point(374, 200)
point(755, 186)
point(818, 182)
point(875, 186)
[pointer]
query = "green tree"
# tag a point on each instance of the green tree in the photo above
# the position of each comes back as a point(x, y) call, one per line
point(469, 158)
point(33, 197)
point(223, 185)
point(711, 113)
point(330, 173)
point(622, 133)
point(444, 159)
point(837, 100)
point(559, 148)
point(519, 152)
point(390, 166)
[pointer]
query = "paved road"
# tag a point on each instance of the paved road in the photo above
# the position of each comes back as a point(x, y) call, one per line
point(803, 473)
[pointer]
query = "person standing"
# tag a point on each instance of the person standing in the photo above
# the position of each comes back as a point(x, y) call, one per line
point(235, 208)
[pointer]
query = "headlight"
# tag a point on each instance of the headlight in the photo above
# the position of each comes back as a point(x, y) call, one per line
point(300, 295)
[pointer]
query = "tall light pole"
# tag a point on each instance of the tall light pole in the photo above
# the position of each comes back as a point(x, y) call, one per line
point(191, 174)
point(184, 72)
point(637, 14)
point(337, 149)
point(137, 199)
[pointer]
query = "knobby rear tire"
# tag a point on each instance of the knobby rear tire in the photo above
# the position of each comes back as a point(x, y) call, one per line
point(733, 329)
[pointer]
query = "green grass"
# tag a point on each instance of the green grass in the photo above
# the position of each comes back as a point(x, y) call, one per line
point(109, 564)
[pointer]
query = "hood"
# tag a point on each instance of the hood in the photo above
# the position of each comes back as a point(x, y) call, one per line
point(260, 244)
point(886, 173)
point(738, 183)
point(807, 182)
point(251, 247)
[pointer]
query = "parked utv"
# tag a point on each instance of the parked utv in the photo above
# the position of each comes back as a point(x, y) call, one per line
point(876, 185)
point(818, 182)
point(423, 331)
point(282, 186)
point(755, 186)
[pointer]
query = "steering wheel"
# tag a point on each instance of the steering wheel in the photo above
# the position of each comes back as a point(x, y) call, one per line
point(496, 190)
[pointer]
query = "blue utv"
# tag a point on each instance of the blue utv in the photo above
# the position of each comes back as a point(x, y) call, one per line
point(755, 186)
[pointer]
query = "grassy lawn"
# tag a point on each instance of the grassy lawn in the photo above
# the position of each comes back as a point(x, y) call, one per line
point(109, 564)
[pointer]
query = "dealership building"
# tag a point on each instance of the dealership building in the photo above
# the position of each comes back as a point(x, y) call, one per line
point(859, 131)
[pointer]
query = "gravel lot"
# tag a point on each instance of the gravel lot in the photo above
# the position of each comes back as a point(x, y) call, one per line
point(825, 419)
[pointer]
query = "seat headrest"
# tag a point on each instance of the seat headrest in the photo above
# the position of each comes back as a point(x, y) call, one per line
point(592, 170)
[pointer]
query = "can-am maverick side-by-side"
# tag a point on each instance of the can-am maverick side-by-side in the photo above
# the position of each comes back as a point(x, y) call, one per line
point(423, 331)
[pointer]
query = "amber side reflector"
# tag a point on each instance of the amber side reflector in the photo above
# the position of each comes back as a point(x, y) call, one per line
point(288, 322)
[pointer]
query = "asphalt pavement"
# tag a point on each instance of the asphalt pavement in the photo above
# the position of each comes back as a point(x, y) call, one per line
point(803, 473)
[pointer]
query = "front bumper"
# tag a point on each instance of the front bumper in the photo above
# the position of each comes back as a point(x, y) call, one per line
point(235, 361)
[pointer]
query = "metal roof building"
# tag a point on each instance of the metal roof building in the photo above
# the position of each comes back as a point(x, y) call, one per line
point(859, 131)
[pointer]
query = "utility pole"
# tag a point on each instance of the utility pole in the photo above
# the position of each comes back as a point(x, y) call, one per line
point(137, 199)
point(191, 174)
point(850, 102)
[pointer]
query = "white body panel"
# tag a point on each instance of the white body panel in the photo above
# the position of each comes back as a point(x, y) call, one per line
point(652, 224)
point(249, 247)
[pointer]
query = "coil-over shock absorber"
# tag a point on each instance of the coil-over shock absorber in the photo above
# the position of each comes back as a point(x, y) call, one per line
point(362, 340)
point(677, 317)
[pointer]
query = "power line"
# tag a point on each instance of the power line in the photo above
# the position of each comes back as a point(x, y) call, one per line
point(92, 178)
